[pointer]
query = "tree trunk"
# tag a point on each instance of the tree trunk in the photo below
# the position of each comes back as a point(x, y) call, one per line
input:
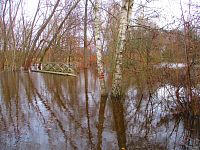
point(58, 30)
point(38, 34)
point(101, 119)
point(85, 34)
point(126, 10)
point(98, 50)
point(118, 114)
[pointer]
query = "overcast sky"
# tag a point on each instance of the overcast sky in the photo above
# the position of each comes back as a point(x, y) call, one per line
point(169, 10)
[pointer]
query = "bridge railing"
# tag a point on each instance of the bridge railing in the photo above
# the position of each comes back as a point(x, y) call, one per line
point(54, 67)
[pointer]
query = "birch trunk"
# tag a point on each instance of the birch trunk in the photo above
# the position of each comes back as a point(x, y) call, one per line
point(125, 15)
point(99, 50)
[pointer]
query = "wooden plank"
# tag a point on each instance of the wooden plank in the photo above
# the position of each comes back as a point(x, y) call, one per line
point(57, 73)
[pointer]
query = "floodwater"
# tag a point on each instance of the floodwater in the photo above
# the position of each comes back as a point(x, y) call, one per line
point(43, 111)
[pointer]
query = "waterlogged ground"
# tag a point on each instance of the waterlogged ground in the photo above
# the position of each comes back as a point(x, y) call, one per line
point(43, 111)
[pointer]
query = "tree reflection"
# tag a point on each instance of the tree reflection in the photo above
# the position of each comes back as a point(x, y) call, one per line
point(190, 134)
point(100, 126)
point(87, 109)
point(118, 113)
point(45, 106)
point(41, 111)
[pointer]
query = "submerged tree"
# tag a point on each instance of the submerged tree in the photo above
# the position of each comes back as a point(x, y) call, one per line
point(125, 15)
point(99, 50)
point(38, 34)
point(58, 30)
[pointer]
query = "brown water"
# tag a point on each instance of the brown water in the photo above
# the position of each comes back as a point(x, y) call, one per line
point(43, 111)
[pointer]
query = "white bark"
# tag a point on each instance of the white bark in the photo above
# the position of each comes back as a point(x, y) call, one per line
point(125, 16)
point(99, 50)
point(130, 8)
point(1, 8)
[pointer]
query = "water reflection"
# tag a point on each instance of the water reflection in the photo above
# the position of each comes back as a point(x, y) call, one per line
point(118, 114)
point(42, 111)
point(153, 124)
point(101, 119)
point(91, 145)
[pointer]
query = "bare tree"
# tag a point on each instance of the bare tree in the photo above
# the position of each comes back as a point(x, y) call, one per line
point(99, 50)
point(38, 34)
point(126, 10)
point(58, 30)
point(9, 14)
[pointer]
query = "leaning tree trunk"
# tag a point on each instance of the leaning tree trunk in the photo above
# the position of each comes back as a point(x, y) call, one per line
point(126, 10)
point(58, 31)
point(38, 34)
point(99, 50)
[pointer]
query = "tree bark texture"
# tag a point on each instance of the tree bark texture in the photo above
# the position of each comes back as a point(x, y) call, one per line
point(99, 50)
point(58, 30)
point(125, 15)
point(38, 34)
point(85, 33)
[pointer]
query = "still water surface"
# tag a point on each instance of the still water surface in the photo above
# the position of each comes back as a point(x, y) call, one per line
point(44, 111)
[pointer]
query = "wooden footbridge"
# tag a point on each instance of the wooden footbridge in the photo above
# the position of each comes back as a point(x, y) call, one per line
point(54, 68)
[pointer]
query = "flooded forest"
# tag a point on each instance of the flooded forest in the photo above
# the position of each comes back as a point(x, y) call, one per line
point(99, 75)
